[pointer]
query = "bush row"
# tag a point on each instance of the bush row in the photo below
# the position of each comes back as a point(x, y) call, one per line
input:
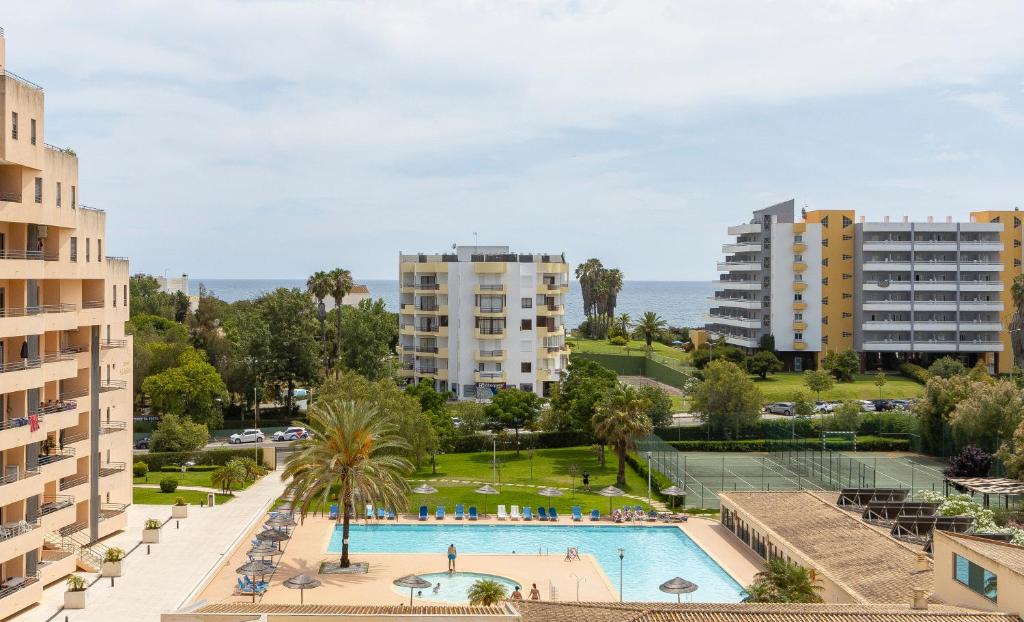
point(537, 440)
point(658, 480)
point(914, 372)
point(156, 461)
point(864, 443)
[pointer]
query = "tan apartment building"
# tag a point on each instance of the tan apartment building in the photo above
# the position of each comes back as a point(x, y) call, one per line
point(65, 361)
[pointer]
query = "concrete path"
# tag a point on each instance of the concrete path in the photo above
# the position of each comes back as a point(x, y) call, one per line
point(185, 558)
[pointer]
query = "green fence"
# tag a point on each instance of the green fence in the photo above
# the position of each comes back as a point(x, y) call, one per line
point(655, 367)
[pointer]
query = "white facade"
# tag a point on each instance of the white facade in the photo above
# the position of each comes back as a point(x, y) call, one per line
point(790, 326)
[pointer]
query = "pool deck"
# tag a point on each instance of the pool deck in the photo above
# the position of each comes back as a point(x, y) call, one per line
point(308, 545)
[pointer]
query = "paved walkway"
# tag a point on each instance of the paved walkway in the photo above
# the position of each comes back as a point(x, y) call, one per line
point(162, 581)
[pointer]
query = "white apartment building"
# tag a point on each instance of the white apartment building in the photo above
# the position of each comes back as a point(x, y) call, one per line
point(482, 318)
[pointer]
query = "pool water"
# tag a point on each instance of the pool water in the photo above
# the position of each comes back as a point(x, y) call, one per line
point(453, 587)
point(652, 555)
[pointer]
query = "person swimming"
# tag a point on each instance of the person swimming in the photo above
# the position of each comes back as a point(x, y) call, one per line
point(437, 588)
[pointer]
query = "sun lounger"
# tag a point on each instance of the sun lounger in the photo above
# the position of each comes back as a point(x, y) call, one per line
point(501, 513)
point(552, 514)
point(515, 513)
point(595, 515)
point(542, 514)
point(527, 513)
point(333, 514)
point(391, 515)
point(637, 508)
point(472, 512)
point(577, 514)
point(423, 512)
point(369, 511)
point(459, 513)
point(381, 513)
point(439, 514)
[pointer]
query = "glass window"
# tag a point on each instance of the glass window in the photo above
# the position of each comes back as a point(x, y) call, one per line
point(974, 577)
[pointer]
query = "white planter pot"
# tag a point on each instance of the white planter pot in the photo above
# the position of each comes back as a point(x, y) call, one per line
point(150, 536)
point(74, 600)
point(110, 569)
point(179, 511)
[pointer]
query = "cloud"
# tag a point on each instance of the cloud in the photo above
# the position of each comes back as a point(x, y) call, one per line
point(994, 103)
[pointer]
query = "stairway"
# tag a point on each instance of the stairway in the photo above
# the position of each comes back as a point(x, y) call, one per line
point(89, 555)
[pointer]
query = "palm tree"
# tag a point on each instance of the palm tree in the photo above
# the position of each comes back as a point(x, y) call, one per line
point(623, 321)
point(352, 452)
point(341, 285)
point(621, 419)
point(784, 582)
point(486, 592)
point(1016, 328)
point(233, 472)
point(650, 326)
point(319, 285)
point(587, 274)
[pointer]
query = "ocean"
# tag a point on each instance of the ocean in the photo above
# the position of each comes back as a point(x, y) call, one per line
point(680, 303)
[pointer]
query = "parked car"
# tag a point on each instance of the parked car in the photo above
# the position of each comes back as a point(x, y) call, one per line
point(901, 404)
point(142, 443)
point(823, 407)
point(780, 408)
point(252, 435)
point(867, 405)
point(290, 434)
point(883, 405)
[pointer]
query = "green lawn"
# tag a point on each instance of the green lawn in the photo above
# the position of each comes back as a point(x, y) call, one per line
point(188, 478)
point(153, 496)
point(781, 386)
point(634, 348)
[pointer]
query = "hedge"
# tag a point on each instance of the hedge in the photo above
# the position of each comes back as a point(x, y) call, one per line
point(199, 468)
point(658, 479)
point(871, 424)
point(535, 440)
point(864, 443)
point(158, 460)
point(914, 372)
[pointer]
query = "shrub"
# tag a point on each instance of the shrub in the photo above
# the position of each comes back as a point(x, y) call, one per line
point(658, 480)
point(76, 583)
point(914, 372)
point(618, 340)
point(158, 460)
point(113, 554)
point(970, 462)
point(864, 443)
point(168, 484)
point(198, 468)
point(140, 469)
point(179, 501)
point(153, 523)
point(946, 367)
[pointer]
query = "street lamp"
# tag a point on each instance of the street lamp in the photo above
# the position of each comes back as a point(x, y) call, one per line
point(622, 553)
point(572, 472)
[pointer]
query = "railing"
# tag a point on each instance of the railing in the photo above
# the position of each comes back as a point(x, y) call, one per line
point(27, 254)
point(111, 468)
point(26, 363)
point(64, 150)
point(108, 427)
point(63, 307)
point(491, 374)
point(17, 422)
point(427, 349)
point(491, 331)
point(110, 510)
point(427, 286)
point(107, 344)
point(14, 589)
point(72, 393)
point(491, 287)
point(555, 286)
point(426, 329)
point(10, 197)
point(56, 455)
point(75, 437)
point(426, 370)
point(426, 307)
point(92, 304)
point(116, 257)
point(492, 353)
point(112, 385)
point(553, 307)
point(73, 528)
point(60, 355)
point(20, 475)
point(90, 209)
point(73, 480)
point(490, 309)
point(20, 528)
point(53, 503)
point(17, 78)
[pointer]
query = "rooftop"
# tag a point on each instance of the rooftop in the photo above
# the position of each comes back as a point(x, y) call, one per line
point(1009, 555)
point(864, 561)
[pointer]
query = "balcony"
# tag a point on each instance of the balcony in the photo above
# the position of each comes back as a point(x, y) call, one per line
point(489, 288)
point(874, 284)
point(887, 325)
point(110, 427)
point(22, 592)
point(799, 286)
point(489, 332)
point(739, 266)
point(553, 331)
point(429, 309)
point(744, 229)
point(435, 373)
point(738, 284)
point(994, 246)
point(550, 310)
point(981, 305)
point(887, 305)
point(799, 306)
point(489, 356)
point(16, 321)
point(735, 303)
point(742, 247)
point(111, 468)
point(107, 344)
point(886, 266)
point(981, 345)
point(934, 325)
point(56, 511)
point(489, 311)
point(547, 375)
point(887, 345)
point(799, 247)
point(18, 431)
point(489, 377)
point(550, 352)
point(112, 385)
point(799, 344)
point(733, 320)
point(886, 245)
point(75, 485)
point(426, 288)
point(23, 373)
point(553, 288)
point(734, 339)
point(980, 326)
point(799, 326)
point(16, 538)
point(19, 483)
point(489, 267)
point(799, 266)
point(981, 286)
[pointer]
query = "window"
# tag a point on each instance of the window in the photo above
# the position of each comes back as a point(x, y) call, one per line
point(846, 334)
point(824, 280)
point(527, 303)
point(87, 246)
point(14, 125)
point(847, 237)
point(824, 262)
point(846, 222)
point(74, 249)
point(847, 277)
point(798, 316)
point(824, 242)
point(526, 367)
point(847, 315)
point(58, 194)
point(847, 295)
point(74, 197)
point(99, 250)
point(32, 131)
point(824, 300)
point(798, 336)
point(39, 189)
point(847, 257)
point(1016, 222)
point(824, 221)
point(124, 290)
point(798, 297)
point(798, 278)
point(798, 257)
point(526, 325)
point(824, 339)
point(115, 295)
point(824, 320)
point(974, 577)
point(797, 239)
point(1016, 243)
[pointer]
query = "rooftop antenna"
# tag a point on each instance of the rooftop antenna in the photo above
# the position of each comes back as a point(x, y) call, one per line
point(476, 242)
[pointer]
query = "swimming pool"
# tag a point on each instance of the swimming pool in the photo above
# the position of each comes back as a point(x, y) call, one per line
point(452, 588)
point(653, 555)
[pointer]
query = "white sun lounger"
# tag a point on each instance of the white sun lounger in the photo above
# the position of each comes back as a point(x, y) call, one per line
point(515, 512)
point(501, 513)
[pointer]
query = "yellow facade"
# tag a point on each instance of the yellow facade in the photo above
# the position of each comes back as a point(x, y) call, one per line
point(1013, 251)
point(837, 234)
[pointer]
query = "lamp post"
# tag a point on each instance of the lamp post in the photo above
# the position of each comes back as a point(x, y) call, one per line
point(572, 472)
point(622, 553)
point(529, 452)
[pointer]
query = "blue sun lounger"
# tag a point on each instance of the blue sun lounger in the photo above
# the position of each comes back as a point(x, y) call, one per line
point(542, 513)
point(595, 515)
point(391, 515)
point(333, 514)
point(423, 512)
point(380, 514)
point(527, 513)
point(472, 512)
point(552, 514)
point(439, 514)
point(459, 513)
point(577, 514)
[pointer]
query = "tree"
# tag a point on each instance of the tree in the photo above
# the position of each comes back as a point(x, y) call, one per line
point(341, 281)
point(292, 346)
point(158, 342)
point(767, 342)
point(1016, 327)
point(579, 391)
point(486, 592)
point(970, 462)
point(988, 415)
point(435, 406)
point(843, 365)
point(802, 406)
point(846, 417)
point(228, 475)
point(714, 352)
point(650, 326)
point(941, 395)
point(193, 388)
point(600, 288)
point(947, 367)
point(514, 408)
point(762, 363)
point(659, 405)
point(369, 330)
point(620, 420)
point(726, 400)
point(818, 380)
point(880, 381)
point(979, 373)
point(1012, 454)
point(784, 582)
point(176, 433)
point(147, 299)
point(352, 452)
point(320, 285)
point(623, 322)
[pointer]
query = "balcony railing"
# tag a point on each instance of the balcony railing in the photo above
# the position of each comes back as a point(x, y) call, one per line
point(111, 468)
point(427, 286)
point(110, 510)
point(30, 84)
point(423, 307)
point(555, 286)
point(22, 364)
point(56, 455)
point(72, 393)
point(17, 529)
point(492, 353)
point(106, 344)
point(490, 309)
point(492, 375)
point(52, 503)
point(71, 481)
point(37, 310)
point(492, 330)
point(112, 385)
point(10, 478)
point(18, 422)
point(427, 349)
point(492, 287)
point(92, 304)
point(15, 585)
point(26, 254)
point(10, 197)
point(426, 329)
point(109, 427)
point(73, 528)
point(74, 437)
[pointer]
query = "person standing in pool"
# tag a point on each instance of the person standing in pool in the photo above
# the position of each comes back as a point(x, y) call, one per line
point(516, 594)
point(534, 593)
point(451, 557)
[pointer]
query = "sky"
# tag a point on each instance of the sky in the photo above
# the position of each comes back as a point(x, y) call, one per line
point(272, 139)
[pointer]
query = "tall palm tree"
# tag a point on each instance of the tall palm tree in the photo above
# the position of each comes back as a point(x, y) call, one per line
point(784, 582)
point(352, 451)
point(485, 592)
point(621, 419)
point(234, 472)
point(319, 285)
point(587, 274)
point(1017, 320)
point(623, 321)
point(341, 285)
point(650, 326)
point(613, 279)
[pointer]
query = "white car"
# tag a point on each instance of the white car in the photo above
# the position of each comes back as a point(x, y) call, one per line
point(780, 408)
point(290, 434)
point(252, 435)
point(823, 407)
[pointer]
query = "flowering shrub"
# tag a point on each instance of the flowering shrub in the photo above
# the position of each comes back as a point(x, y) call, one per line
point(963, 505)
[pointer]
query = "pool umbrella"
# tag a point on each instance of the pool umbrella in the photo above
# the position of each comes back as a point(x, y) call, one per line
point(550, 492)
point(677, 586)
point(264, 549)
point(424, 489)
point(281, 521)
point(412, 582)
point(272, 535)
point(673, 491)
point(257, 568)
point(302, 583)
point(610, 491)
point(486, 489)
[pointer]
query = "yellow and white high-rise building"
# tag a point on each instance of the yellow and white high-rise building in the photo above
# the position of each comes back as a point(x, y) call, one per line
point(65, 361)
point(482, 318)
point(892, 290)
